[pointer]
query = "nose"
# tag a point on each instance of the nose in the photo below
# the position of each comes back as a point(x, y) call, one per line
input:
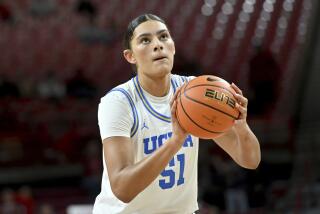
point(158, 45)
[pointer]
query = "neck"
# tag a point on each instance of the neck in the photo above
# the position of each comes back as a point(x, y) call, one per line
point(158, 87)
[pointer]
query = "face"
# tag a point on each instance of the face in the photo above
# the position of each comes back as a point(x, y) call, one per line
point(152, 49)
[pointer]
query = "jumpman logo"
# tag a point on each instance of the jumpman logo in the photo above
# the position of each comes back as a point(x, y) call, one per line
point(144, 125)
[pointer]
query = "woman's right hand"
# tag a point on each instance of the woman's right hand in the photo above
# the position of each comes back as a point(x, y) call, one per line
point(178, 133)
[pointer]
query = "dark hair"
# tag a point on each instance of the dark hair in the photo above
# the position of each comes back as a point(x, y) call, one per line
point(135, 23)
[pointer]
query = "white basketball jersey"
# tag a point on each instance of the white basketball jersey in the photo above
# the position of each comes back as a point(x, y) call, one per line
point(128, 110)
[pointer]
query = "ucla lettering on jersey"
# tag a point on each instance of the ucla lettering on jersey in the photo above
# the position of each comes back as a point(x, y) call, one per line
point(154, 142)
point(149, 118)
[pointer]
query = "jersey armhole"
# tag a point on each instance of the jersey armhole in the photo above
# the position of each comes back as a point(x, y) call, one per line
point(135, 125)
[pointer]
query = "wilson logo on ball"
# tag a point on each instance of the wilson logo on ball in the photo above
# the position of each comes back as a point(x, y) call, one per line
point(212, 94)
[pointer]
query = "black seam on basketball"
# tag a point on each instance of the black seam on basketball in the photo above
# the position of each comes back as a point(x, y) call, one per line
point(193, 120)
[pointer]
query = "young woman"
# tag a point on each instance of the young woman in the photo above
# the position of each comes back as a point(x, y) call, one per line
point(150, 162)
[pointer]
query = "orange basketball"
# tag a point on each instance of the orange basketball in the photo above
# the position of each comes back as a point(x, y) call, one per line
point(206, 107)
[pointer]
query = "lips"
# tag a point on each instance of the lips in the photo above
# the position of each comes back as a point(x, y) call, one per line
point(159, 58)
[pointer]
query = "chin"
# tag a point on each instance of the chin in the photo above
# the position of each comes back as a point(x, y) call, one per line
point(163, 71)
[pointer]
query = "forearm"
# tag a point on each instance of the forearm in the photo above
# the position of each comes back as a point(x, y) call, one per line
point(248, 148)
point(133, 179)
point(242, 145)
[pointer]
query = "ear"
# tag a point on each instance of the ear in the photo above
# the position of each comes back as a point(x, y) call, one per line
point(129, 56)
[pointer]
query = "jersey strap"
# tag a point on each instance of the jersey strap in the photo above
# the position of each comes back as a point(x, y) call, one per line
point(135, 125)
point(174, 85)
point(178, 81)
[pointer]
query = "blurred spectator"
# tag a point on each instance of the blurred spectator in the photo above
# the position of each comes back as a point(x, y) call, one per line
point(257, 194)
point(8, 204)
point(28, 87)
point(80, 86)
point(42, 8)
point(66, 144)
point(92, 33)
point(9, 122)
point(87, 9)
point(92, 168)
point(46, 209)
point(8, 88)
point(213, 193)
point(235, 194)
point(264, 82)
point(5, 12)
point(24, 198)
point(51, 87)
point(11, 148)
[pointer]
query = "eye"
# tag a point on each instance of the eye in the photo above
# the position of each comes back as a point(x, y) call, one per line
point(164, 36)
point(145, 40)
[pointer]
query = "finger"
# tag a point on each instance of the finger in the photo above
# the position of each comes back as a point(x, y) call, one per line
point(173, 98)
point(173, 106)
point(236, 88)
point(242, 110)
point(241, 100)
point(175, 95)
point(173, 110)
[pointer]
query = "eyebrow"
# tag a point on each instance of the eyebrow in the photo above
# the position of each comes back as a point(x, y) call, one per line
point(148, 34)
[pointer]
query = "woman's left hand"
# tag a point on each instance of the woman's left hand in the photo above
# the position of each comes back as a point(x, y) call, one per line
point(241, 105)
point(240, 142)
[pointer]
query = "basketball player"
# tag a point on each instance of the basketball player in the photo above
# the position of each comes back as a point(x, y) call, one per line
point(150, 162)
